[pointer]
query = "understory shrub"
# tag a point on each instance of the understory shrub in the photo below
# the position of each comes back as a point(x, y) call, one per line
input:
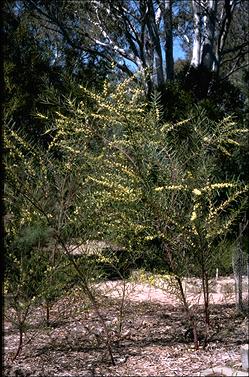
point(127, 177)
point(154, 185)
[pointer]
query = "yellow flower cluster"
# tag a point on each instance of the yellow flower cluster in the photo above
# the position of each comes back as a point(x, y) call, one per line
point(61, 115)
point(169, 127)
point(221, 185)
point(215, 212)
point(189, 174)
point(77, 210)
point(194, 231)
point(194, 214)
point(222, 229)
point(138, 227)
point(106, 87)
point(172, 187)
point(92, 95)
point(123, 86)
point(27, 216)
point(233, 142)
point(214, 186)
point(117, 191)
point(196, 192)
point(20, 140)
point(123, 168)
point(157, 114)
point(41, 116)
point(70, 149)
point(150, 238)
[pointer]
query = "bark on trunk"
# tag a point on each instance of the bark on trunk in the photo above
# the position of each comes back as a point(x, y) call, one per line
point(211, 27)
point(168, 27)
point(207, 53)
point(196, 52)
point(156, 46)
point(190, 315)
point(225, 21)
point(238, 271)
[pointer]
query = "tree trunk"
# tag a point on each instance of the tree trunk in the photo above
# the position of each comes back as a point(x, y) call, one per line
point(168, 27)
point(90, 294)
point(238, 270)
point(190, 315)
point(47, 313)
point(225, 22)
point(20, 344)
point(155, 45)
point(196, 52)
point(209, 21)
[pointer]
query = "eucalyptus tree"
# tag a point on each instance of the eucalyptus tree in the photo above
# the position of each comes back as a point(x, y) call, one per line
point(129, 35)
point(138, 35)
point(213, 28)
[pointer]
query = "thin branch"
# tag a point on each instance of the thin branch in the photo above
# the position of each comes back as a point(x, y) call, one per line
point(235, 48)
point(233, 71)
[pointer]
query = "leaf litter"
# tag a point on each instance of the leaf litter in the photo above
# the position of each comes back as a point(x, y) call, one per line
point(153, 341)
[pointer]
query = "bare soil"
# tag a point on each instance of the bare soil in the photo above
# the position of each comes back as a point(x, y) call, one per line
point(154, 339)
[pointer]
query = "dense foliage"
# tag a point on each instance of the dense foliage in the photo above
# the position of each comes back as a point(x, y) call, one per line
point(126, 176)
point(160, 176)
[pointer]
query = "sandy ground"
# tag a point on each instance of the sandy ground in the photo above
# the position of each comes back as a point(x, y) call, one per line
point(153, 339)
point(222, 291)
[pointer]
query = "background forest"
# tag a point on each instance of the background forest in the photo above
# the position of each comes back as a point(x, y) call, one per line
point(125, 127)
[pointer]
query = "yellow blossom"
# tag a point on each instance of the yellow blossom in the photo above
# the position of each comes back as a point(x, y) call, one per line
point(149, 238)
point(173, 187)
point(196, 191)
